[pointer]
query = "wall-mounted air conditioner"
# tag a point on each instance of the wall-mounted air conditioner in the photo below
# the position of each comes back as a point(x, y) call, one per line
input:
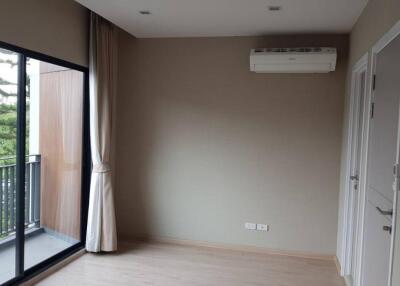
point(293, 60)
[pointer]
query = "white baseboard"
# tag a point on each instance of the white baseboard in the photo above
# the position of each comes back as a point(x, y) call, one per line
point(243, 248)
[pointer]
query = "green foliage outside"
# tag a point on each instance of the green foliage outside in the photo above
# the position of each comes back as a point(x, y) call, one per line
point(8, 126)
point(8, 131)
point(8, 115)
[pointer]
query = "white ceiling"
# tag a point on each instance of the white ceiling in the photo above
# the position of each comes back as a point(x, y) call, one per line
point(200, 18)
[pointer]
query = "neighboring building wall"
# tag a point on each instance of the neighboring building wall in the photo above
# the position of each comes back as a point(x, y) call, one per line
point(377, 18)
point(34, 106)
point(204, 145)
point(60, 137)
point(56, 28)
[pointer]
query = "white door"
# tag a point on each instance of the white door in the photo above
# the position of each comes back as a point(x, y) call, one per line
point(360, 83)
point(382, 156)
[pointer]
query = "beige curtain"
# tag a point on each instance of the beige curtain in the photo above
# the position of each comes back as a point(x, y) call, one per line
point(101, 229)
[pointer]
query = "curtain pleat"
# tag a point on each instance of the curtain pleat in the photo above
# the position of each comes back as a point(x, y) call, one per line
point(101, 229)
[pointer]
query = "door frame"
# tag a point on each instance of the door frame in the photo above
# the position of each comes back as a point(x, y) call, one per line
point(378, 47)
point(85, 173)
point(349, 226)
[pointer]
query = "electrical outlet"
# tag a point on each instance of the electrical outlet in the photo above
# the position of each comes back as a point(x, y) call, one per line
point(250, 226)
point(262, 227)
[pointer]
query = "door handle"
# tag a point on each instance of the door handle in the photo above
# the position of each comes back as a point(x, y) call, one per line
point(382, 212)
point(354, 178)
point(387, 228)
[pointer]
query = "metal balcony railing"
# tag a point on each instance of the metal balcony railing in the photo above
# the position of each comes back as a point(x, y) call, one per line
point(8, 194)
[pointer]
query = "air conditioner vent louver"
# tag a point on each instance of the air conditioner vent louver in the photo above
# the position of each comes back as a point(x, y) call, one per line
point(293, 60)
point(288, 50)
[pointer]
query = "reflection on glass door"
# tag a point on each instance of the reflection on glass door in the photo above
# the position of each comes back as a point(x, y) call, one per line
point(8, 141)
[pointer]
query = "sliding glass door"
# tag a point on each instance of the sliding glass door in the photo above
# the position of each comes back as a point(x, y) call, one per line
point(44, 161)
point(8, 154)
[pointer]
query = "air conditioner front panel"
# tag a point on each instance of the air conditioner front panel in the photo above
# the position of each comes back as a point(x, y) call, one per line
point(292, 68)
point(312, 60)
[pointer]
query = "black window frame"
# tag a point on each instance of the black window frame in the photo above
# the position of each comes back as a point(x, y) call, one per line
point(22, 274)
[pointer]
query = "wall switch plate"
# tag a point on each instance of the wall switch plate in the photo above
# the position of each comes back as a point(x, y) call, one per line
point(250, 226)
point(262, 227)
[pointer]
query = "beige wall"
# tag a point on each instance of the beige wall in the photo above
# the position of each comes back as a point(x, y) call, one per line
point(56, 28)
point(376, 19)
point(204, 145)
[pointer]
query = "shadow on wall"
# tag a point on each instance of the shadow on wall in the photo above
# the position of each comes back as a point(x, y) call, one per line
point(204, 145)
point(131, 211)
point(133, 155)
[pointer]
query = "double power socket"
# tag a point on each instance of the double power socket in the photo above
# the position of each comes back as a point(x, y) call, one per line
point(256, 226)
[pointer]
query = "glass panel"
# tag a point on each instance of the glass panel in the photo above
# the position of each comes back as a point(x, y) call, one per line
point(54, 153)
point(8, 141)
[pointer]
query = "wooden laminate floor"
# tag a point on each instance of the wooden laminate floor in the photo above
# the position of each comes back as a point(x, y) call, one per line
point(167, 264)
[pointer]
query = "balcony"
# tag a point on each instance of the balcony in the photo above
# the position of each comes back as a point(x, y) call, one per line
point(8, 195)
point(41, 242)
